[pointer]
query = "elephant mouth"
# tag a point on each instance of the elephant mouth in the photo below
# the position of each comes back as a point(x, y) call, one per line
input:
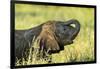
point(70, 41)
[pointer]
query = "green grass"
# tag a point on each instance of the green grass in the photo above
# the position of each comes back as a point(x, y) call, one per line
point(27, 16)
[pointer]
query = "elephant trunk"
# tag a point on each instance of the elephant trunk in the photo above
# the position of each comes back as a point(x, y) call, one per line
point(77, 27)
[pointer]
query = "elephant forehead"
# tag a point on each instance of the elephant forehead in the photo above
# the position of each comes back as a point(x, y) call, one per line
point(49, 27)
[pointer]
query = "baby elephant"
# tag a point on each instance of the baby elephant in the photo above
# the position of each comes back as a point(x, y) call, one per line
point(52, 36)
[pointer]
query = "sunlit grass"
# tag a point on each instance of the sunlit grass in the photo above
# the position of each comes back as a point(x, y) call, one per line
point(27, 16)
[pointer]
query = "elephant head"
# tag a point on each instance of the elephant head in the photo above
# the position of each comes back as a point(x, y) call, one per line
point(55, 34)
point(66, 32)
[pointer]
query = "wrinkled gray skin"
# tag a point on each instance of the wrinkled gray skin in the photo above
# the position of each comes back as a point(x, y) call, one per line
point(64, 32)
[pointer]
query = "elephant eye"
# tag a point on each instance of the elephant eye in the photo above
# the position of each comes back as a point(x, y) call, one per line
point(64, 28)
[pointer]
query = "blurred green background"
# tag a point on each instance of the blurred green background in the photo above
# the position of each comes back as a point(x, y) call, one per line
point(28, 16)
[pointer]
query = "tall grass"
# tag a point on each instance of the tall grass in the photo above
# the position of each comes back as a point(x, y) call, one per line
point(27, 16)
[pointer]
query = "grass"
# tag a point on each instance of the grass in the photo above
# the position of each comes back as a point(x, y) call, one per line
point(27, 16)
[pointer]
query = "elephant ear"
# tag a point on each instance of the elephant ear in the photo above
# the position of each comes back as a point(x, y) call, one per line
point(48, 39)
point(51, 43)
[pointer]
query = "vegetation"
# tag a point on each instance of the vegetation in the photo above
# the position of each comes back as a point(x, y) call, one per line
point(27, 16)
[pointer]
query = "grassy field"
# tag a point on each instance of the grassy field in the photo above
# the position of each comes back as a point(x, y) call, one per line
point(27, 16)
